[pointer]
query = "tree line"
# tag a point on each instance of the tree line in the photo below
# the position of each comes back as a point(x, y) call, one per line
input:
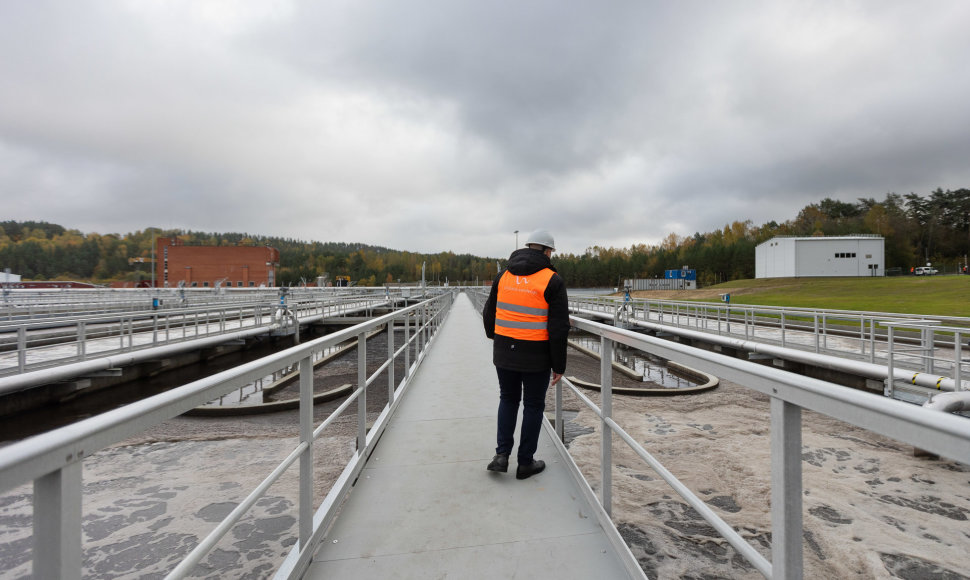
point(917, 229)
point(44, 251)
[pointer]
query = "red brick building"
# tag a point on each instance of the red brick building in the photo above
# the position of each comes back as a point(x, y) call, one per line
point(203, 266)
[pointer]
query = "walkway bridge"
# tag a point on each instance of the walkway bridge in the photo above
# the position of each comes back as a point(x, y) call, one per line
point(60, 336)
point(923, 355)
point(415, 500)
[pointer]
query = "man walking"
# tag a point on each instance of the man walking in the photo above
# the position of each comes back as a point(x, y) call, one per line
point(527, 316)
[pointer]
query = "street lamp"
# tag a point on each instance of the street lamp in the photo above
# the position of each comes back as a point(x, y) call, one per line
point(516, 240)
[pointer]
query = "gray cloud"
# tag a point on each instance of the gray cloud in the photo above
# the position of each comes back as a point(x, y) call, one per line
point(432, 125)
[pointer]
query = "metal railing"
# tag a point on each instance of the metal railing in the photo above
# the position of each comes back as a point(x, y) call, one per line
point(772, 323)
point(940, 433)
point(53, 342)
point(928, 353)
point(925, 357)
point(53, 461)
point(35, 305)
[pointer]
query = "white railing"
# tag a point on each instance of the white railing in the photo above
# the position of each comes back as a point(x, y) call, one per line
point(53, 461)
point(770, 323)
point(35, 305)
point(54, 342)
point(940, 433)
point(928, 353)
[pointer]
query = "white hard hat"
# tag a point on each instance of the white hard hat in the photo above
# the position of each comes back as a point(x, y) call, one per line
point(541, 237)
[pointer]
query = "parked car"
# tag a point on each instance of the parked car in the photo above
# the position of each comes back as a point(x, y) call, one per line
point(925, 271)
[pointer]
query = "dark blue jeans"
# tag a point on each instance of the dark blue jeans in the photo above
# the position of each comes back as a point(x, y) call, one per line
point(530, 388)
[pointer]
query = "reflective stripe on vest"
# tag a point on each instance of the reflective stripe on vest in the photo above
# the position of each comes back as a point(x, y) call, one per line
point(521, 310)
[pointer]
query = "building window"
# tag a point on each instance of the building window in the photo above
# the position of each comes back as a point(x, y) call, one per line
point(239, 284)
point(205, 284)
point(252, 283)
point(195, 285)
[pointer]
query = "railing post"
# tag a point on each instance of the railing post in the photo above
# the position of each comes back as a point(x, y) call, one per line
point(57, 523)
point(825, 334)
point(786, 490)
point(131, 334)
point(422, 328)
point(362, 385)
point(407, 345)
point(606, 442)
point(783, 329)
point(425, 327)
point(957, 363)
point(418, 321)
point(928, 347)
point(872, 340)
point(890, 371)
point(560, 428)
point(306, 458)
point(82, 345)
point(390, 363)
point(815, 316)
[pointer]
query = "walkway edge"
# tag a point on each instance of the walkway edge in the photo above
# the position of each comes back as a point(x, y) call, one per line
point(630, 562)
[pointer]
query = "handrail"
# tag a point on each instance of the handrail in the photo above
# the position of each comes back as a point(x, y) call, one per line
point(800, 310)
point(93, 336)
point(789, 393)
point(945, 435)
point(804, 335)
point(20, 305)
point(53, 460)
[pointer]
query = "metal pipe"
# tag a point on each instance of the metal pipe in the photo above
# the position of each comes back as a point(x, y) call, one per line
point(949, 402)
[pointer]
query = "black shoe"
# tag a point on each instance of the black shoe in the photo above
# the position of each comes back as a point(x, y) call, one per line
point(499, 463)
point(530, 469)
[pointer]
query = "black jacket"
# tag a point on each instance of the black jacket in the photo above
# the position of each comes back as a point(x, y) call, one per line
point(531, 355)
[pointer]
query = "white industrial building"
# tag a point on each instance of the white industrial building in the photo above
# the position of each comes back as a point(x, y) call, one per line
point(793, 257)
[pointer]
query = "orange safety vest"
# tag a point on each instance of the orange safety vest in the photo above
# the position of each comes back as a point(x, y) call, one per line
point(521, 311)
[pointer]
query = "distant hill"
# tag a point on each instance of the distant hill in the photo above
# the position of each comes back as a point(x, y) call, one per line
point(43, 251)
point(917, 230)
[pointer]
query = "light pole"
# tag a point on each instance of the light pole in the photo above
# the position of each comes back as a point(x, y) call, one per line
point(516, 240)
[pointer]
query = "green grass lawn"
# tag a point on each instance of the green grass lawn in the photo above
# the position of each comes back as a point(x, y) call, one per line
point(932, 295)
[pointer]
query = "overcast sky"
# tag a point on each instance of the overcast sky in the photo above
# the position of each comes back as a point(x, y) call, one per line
point(435, 125)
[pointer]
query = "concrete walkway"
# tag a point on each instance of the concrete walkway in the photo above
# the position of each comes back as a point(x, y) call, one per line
point(425, 507)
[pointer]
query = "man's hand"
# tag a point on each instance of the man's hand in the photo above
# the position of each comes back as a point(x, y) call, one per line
point(555, 379)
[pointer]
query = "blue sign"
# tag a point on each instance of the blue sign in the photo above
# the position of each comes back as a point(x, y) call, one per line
point(681, 274)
